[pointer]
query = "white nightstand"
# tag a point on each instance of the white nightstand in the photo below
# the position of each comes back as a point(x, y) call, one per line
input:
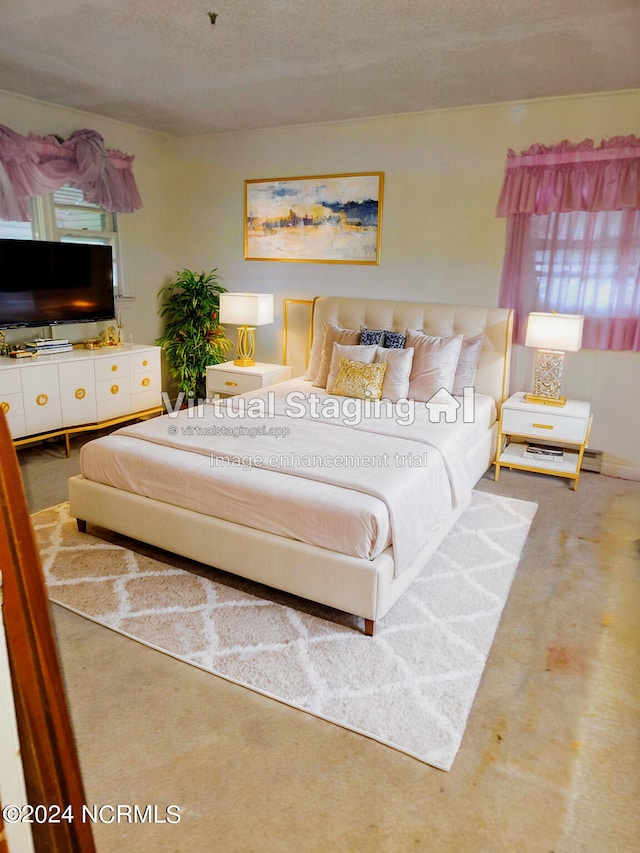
point(567, 426)
point(228, 378)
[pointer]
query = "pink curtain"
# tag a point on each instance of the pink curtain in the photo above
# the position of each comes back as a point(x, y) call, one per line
point(36, 165)
point(573, 237)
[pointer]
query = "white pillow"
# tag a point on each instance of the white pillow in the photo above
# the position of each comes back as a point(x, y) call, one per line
point(332, 335)
point(363, 354)
point(434, 363)
point(396, 380)
point(467, 365)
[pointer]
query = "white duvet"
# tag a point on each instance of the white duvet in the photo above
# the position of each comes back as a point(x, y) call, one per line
point(297, 462)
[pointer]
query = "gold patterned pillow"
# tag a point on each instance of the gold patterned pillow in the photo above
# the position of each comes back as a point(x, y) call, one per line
point(356, 379)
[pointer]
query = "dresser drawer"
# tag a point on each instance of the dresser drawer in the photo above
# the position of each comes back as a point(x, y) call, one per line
point(12, 405)
point(17, 426)
point(111, 388)
point(10, 381)
point(111, 367)
point(549, 425)
point(149, 381)
point(143, 362)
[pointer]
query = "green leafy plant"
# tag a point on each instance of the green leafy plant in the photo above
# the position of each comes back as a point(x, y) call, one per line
point(193, 337)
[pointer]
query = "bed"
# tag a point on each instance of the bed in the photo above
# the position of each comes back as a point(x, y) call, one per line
point(308, 486)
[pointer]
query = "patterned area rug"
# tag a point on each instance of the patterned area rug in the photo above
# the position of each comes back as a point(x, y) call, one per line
point(411, 686)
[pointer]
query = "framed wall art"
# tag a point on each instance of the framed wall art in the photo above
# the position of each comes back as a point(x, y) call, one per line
point(332, 219)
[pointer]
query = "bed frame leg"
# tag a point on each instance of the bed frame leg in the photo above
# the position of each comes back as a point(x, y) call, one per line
point(82, 525)
point(369, 627)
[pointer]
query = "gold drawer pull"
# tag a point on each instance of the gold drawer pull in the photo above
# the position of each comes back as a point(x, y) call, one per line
point(543, 426)
point(80, 394)
point(5, 406)
point(114, 367)
point(42, 399)
point(234, 384)
point(146, 381)
point(114, 389)
point(145, 362)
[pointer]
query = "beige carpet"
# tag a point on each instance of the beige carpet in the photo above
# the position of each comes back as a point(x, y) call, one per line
point(410, 687)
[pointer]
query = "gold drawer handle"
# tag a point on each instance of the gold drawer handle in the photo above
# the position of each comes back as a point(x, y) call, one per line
point(145, 363)
point(42, 399)
point(114, 367)
point(80, 393)
point(5, 406)
point(234, 384)
point(114, 389)
point(146, 381)
point(543, 426)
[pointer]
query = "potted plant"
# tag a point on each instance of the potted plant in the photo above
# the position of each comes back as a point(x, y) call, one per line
point(193, 337)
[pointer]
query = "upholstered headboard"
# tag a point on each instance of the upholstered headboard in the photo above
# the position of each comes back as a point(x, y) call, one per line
point(494, 324)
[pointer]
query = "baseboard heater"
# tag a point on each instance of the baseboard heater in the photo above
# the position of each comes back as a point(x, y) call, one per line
point(592, 461)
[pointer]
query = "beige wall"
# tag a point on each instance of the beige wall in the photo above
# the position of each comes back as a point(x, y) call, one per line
point(440, 238)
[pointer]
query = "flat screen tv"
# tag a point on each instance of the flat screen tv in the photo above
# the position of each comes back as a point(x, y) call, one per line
point(46, 284)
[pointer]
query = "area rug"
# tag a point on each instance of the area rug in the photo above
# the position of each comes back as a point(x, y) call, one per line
point(411, 686)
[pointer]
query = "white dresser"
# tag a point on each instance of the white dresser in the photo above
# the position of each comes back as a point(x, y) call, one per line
point(79, 390)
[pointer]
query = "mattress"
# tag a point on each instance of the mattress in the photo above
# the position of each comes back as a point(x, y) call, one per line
point(204, 459)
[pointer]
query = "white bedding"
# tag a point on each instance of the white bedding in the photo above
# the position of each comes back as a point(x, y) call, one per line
point(217, 462)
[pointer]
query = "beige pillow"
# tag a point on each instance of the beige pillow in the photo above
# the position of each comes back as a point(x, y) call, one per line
point(363, 354)
point(396, 380)
point(434, 363)
point(333, 335)
point(359, 380)
point(467, 365)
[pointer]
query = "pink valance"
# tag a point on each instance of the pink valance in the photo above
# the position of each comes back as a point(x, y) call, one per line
point(36, 165)
point(572, 176)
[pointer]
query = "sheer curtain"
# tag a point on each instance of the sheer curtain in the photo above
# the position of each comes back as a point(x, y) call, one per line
point(573, 238)
point(36, 165)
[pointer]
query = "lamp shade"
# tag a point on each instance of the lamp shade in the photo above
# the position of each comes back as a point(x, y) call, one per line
point(246, 309)
point(554, 331)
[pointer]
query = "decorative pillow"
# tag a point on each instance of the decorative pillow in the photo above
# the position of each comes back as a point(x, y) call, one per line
point(363, 354)
point(393, 340)
point(369, 337)
point(467, 365)
point(359, 380)
point(333, 335)
point(396, 380)
point(434, 363)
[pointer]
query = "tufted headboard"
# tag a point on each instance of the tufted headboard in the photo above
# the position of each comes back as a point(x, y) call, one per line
point(494, 324)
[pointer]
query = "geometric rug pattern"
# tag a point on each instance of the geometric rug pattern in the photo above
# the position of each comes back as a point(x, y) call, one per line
point(411, 686)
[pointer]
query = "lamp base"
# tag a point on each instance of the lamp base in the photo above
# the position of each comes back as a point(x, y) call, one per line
point(246, 346)
point(545, 401)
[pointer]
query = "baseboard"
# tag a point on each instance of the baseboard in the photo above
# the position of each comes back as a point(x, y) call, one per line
point(592, 461)
point(623, 472)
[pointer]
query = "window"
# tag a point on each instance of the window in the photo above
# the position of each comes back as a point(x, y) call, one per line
point(586, 263)
point(573, 237)
point(66, 217)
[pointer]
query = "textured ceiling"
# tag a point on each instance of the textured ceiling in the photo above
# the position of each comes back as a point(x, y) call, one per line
point(163, 65)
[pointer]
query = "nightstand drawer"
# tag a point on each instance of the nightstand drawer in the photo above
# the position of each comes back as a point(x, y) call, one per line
point(229, 382)
point(549, 425)
point(229, 378)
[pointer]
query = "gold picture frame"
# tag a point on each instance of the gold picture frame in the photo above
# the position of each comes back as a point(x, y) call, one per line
point(330, 219)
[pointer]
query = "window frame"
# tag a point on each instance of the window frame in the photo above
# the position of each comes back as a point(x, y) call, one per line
point(44, 226)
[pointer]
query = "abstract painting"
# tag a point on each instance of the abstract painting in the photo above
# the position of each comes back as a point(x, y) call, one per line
point(333, 219)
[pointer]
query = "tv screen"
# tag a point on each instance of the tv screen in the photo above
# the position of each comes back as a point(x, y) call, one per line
point(46, 284)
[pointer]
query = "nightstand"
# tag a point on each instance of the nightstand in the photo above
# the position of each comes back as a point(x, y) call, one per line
point(229, 378)
point(567, 426)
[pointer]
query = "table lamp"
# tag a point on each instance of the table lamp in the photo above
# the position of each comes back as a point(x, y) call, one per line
point(552, 335)
point(246, 310)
